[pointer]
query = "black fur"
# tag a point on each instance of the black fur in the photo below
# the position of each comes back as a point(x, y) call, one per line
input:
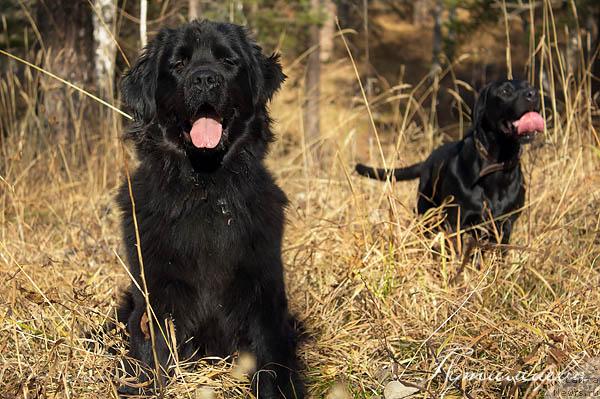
point(454, 170)
point(210, 220)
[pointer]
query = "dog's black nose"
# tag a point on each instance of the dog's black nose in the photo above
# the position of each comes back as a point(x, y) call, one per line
point(205, 79)
point(531, 95)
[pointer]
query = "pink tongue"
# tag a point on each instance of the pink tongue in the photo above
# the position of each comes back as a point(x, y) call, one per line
point(529, 123)
point(206, 133)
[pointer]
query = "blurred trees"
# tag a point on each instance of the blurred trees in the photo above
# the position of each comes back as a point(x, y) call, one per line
point(104, 17)
point(76, 44)
point(312, 88)
point(194, 10)
point(328, 29)
point(437, 10)
point(67, 44)
point(143, 23)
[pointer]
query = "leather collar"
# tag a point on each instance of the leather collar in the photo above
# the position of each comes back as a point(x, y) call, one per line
point(493, 165)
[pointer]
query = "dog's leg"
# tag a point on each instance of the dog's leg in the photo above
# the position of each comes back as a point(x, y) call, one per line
point(469, 244)
point(506, 229)
point(258, 304)
point(140, 360)
point(273, 344)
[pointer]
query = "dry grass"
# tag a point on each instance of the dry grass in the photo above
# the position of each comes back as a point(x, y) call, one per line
point(378, 302)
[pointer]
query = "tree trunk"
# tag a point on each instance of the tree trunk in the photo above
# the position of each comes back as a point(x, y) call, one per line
point(313, 76)
point(143, 22)
point(451, 39)
point(571, 50)
point(343, 13)
point(437, 37)
point(328, 30)
point(436, 68)
point(106, 47)
point(593, 26)
point(420, 12)
point(367, 61)
point(67, 31)
point(193, 10)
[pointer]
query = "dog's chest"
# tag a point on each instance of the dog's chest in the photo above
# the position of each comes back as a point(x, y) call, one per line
point(194, 234)
point(202, 237)
point(502, 193)
point(216, 229)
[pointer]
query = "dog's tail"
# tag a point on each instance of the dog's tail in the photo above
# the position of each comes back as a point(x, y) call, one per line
point(408, 173)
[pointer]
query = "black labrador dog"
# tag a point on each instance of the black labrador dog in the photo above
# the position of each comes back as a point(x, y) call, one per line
point(209, 217)
point(480, 174)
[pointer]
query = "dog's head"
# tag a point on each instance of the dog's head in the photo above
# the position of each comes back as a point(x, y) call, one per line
point(509, 108)
point(200, 92)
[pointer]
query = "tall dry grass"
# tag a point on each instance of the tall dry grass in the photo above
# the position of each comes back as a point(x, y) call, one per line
point(378, 298)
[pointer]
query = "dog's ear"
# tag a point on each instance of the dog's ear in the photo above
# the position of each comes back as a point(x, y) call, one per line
point(480, 105)
point(138, 87)
point(273, 76)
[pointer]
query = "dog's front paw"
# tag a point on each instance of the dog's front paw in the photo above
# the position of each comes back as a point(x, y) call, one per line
point(287, 385)
point(135, 381)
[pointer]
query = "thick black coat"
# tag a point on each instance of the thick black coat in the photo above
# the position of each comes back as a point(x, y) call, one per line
point(210, 221)
point(479, 176)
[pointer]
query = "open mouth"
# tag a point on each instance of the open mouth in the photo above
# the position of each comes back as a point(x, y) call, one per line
point(205, 129)
point(526, 126)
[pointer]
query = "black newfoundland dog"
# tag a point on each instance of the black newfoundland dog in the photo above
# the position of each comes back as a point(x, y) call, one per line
point(480, 174)
point(209, 215)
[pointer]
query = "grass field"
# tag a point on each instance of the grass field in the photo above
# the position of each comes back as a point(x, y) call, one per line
point(379, 300)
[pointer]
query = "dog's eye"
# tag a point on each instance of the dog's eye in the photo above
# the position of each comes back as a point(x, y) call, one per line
point(506, 91)
point(179, 64)
point(230, 61)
